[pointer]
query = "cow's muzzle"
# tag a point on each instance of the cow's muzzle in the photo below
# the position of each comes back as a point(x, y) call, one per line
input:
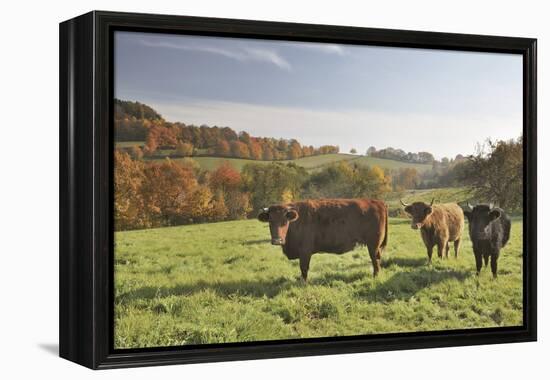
point(416, 226)
point(277, 241)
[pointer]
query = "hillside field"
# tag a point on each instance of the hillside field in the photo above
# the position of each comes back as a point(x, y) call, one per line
point(310, 163)
point(224, 282)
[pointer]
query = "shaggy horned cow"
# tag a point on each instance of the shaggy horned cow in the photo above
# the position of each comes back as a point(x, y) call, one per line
point(489, 229)
point(439, 225)
point(328, 225)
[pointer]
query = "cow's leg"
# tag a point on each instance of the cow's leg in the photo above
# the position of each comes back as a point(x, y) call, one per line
point(447, 247)
point(440, 247)
point(494, 259)
point(430, 249)
point(486, 259)
point(304, 265)
point(457, 247)
point(374, 253)
point(479, 263)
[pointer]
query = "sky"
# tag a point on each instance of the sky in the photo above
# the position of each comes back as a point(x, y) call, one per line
point(443, 102)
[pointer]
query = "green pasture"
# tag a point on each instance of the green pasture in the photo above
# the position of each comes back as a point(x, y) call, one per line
point(224, 282)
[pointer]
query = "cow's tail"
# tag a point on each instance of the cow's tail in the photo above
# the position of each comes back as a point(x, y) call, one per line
point(385, 241)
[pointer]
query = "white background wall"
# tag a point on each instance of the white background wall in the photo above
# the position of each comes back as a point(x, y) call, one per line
point(29, 187)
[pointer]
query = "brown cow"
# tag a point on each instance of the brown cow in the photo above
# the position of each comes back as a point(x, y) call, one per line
point(439, 225)
point(328, 225)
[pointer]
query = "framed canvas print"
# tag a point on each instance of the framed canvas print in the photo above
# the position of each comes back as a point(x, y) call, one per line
point(237, 189)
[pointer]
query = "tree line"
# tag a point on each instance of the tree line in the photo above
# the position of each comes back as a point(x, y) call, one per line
point(155, 194)
point(400, 155)
point(137, 122)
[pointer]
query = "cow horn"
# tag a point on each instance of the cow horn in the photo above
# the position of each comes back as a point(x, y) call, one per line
point(403, 203)
point(491, 205)
point(265, 209)
point(431, 204)
point(470, 206)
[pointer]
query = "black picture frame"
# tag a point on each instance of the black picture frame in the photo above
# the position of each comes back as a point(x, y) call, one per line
point(86, 188)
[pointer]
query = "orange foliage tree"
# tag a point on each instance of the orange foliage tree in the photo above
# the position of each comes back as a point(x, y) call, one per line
point(227, 183)
point(128, 208)
point(239, 149)
point(165, 190)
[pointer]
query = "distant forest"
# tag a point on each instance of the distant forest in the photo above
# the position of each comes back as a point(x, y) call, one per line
point(135, 121)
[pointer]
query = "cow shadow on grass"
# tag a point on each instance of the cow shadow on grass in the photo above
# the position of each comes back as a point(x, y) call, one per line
point(404, 285)
point(254, 288)
point(344, 276)
point(366, 265)
point(404, 262)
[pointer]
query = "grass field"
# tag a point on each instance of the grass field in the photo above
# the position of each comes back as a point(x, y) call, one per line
point(129, 144)
point(224, 282)
point(310, 163)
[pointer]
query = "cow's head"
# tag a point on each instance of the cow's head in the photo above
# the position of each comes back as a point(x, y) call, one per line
point(479, 219)
point(419, 212)
point(279, 218)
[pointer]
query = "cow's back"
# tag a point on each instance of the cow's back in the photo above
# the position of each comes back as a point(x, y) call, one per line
point(448, 218)
point(337, 225)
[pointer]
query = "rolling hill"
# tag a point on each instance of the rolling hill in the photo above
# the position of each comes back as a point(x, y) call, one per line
point(311, 163)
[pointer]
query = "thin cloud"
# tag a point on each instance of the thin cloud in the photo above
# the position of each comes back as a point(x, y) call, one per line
point(244, 54)
point(323, 48)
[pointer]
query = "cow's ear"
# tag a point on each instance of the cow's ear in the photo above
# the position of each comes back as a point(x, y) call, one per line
point(468, 215)
point(494, 214)
point(263, 216)
point(292, 215)
point(428, 210)
point(408, 209)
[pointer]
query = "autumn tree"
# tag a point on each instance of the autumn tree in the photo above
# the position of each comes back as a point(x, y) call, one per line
point(166, 192)
point(226, 182)
point(239, 149)
point(406, 178)
point(255, 150)
point(184, 149)
point(160, 136)
point(268, 183)
point(267, 154)
point(344, 180)
point(223, 149)
point(128, 202)
point(372, 182)
point(225, 178)
point(244, 137)
point(294, 150)
point(136, 152)
point(495, 173)
point(196, 205)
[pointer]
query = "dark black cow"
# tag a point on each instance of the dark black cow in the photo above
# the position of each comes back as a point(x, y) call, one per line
point(489, 231)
